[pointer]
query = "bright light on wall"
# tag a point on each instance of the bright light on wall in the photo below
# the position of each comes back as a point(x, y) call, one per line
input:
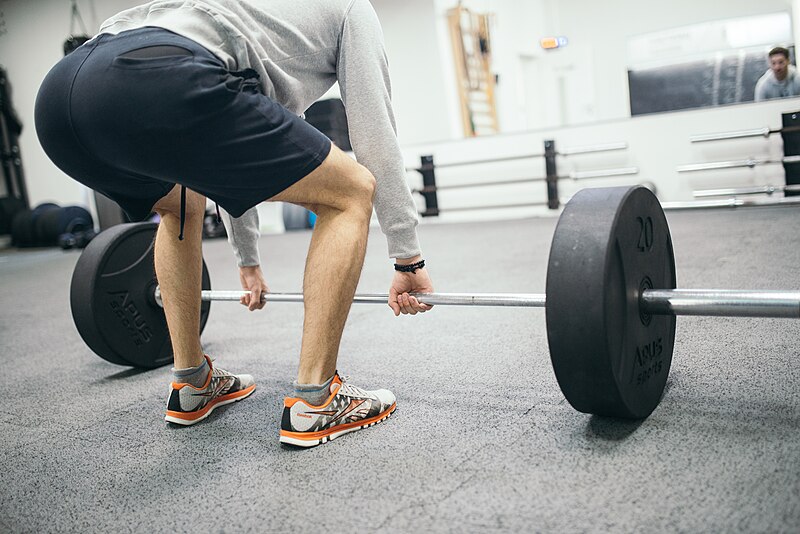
point(550, 43)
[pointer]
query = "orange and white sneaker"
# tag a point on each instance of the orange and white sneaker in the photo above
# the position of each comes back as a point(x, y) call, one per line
point(188, 405)
point(347, 409)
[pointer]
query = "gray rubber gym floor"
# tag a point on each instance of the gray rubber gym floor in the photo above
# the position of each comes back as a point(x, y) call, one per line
point(482, 440)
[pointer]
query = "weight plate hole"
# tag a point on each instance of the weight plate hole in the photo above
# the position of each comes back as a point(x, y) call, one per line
point(646, 283)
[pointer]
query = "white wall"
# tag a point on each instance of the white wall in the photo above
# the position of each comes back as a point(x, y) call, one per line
point(33, 44)
point(419, 94)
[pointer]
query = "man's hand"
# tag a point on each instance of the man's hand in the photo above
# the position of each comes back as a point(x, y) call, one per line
point(253, 281)
point(404, 283)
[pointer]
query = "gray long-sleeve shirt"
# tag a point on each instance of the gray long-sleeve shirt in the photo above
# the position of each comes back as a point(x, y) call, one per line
point(769, 87)
point(300, 48)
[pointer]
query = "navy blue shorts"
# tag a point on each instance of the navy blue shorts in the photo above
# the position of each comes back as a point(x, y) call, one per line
point(131, 127)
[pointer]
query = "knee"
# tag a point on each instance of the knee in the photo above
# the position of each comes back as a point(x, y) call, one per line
point(364, 186)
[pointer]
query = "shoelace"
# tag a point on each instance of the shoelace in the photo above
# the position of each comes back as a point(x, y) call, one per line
point(351, 389)
point(220, 373)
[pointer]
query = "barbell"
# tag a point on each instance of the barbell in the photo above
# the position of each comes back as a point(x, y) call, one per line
point(610, 304)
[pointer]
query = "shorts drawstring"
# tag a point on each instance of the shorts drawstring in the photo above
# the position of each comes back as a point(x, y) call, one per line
point(183, 211)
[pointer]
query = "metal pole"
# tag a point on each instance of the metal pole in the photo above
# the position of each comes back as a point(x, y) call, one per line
point(525, 300)
point(590, 149)
point(479, 184)
point(721, 302)
point(488, 160)
point(733, 164)
point(706, 302)
point(603, 173)
point(552, 173)
point(494, 206)
point(427, 169)
point(736, 191)
point(734, 202)
point(738, 134)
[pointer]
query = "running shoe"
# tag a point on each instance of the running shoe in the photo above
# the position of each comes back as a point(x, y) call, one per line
point(188, 405)
point(347, 409)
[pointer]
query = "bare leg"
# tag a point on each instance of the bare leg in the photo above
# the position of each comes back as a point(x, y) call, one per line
point(340, 191)
point(179, 271)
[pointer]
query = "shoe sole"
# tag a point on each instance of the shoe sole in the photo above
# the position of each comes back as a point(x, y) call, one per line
point(190, 418)
point(299, 439)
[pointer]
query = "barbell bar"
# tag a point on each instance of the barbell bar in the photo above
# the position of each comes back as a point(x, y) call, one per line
point(735, 164)
point(610, 306)
point(734, 202)
point(697, 302)
point(571, 151)
point(573, 175)
point(737, 191)
point(739, 134)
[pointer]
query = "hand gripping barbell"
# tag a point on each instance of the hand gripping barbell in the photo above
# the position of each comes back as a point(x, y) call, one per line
point(610, 301)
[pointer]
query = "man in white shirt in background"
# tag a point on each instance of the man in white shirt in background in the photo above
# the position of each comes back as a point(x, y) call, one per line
point(780, 80)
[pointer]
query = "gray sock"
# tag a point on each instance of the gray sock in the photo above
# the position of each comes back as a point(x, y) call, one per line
point(195, 376)
point(314, 394)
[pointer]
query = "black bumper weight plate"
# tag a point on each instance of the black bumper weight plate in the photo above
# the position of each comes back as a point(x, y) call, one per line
point(112, 298)
point(609, 245)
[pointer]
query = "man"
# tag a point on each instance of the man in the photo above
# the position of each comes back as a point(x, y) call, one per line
point(780, 80)
point(178, 101)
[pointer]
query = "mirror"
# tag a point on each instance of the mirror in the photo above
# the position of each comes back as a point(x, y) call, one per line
point(605, 60)
point(702, 65)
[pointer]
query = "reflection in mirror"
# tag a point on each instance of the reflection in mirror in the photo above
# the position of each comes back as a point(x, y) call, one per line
point(604, 46)
point(709, 64)
point(469, 33)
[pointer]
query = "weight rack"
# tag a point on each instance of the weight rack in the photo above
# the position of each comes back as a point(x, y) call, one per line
point(790, 132)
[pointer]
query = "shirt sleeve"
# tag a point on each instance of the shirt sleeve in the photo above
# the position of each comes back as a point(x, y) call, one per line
point(363, 75)
point(759, 92)
point(243, 234)
point(794, 82)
